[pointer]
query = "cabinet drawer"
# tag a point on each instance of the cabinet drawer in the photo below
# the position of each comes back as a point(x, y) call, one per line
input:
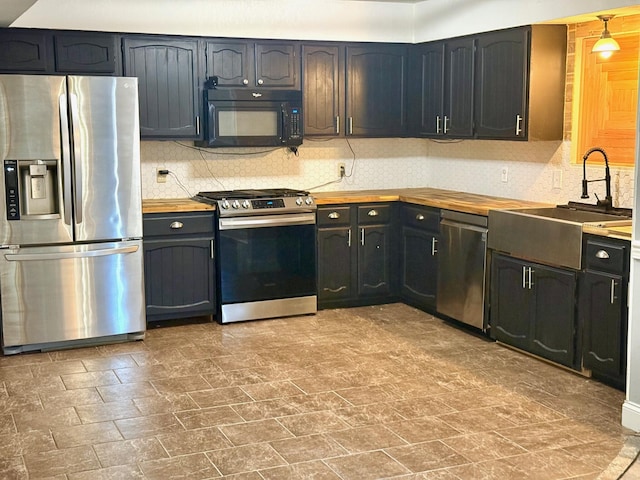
point(422, 218)
point(334, 216)
point(160, 224)
point(370, 214)
point(605, 256)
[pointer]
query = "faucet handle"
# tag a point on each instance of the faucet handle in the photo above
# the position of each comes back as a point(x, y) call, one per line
point(585, 193)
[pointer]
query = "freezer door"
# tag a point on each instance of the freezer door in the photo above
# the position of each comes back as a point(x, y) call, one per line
point(72, 292)
point(33, 142)
point(106, 157)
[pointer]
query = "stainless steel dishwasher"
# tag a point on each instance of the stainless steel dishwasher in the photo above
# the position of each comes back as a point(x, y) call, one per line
point(462, 260)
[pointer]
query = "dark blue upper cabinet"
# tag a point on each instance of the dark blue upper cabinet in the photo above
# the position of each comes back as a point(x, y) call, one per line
point(88, 53)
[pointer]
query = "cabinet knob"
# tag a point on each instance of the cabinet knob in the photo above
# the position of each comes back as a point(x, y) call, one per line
point(260, 81)
point(602, 254)
point(334, 215)
point(245, 81)
point(419, 217)
point(373, 213)
point(176, 225)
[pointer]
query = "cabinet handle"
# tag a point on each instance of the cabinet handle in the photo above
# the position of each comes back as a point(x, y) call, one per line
point(362, 236)
point(524, 277)
point(197, 124)
point(338, 124)
point(212, 249)
point(434, 243)
point(438, 126)
point(176, 225)
point(334, 215)
point(518, 125)
point(603, 254)
point(349, 239)
point(245, 81)
point(350, 125)
point(446, 119)
point(613, 291)
point(373, 213)
point(530, 282)
point(419, 217)
point(260, 81)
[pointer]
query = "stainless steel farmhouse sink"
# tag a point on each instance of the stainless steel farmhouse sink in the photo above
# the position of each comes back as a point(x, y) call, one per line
point(549, 235)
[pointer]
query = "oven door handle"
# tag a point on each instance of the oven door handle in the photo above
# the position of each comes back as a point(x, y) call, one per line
point(266, 221)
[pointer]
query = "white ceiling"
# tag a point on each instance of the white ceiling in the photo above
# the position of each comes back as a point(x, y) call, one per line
point(12, 9)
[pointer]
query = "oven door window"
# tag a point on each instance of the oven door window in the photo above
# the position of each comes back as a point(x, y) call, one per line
point(266, 263)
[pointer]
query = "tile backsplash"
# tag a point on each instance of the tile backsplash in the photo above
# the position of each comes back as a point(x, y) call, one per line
point(539, 171)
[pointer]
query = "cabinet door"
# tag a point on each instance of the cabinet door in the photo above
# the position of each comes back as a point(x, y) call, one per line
point(179, 278)
point(374, 276)
point(501, 86)
point(554, 332)
point(458, 108)
point(510, 302)
point(603, 314)
point(25, 51)
point(419, 266)
point(427, 114)
point(87, 53)
point(377, 90)
point(335, 264)
point(278, 65)
point(167, 72)
point(230, 62)
point(323, 91)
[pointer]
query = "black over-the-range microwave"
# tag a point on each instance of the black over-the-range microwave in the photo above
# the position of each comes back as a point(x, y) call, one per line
point(251, 118)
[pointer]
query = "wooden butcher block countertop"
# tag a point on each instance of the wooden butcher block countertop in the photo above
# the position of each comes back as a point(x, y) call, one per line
point(621, 229)
point(432, 197)
point(168, 205)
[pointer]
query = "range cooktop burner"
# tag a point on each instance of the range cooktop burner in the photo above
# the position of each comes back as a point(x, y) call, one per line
point(237, 203)
point(264, 193)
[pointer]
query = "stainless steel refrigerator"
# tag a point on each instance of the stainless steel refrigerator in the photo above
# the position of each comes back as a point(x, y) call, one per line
point(71, 264)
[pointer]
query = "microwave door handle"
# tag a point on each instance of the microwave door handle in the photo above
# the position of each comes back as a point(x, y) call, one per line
point(65, 146)
point(77, 157)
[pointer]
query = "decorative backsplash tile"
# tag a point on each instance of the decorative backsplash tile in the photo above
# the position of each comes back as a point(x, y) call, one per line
point(465, 165)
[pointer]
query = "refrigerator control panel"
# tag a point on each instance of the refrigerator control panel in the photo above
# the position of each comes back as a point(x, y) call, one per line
point(11, 189)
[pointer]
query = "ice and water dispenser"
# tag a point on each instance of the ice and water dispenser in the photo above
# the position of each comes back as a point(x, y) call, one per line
point(31, 188)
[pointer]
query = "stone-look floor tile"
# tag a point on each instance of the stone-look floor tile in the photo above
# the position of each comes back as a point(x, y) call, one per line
point(247, 458)
point(129, 451)
point(7, 425)
point(364, 439)
point(220, 396)
point(194, 441)
point(16, 372)
point(70, 398)
point(239, 362)
point(89, 379)
point(315, 470)
point(20, 404)
point(421, 407)
point(426, 456)
point(244, 476)
point(312, 447)
point(489, 470)
point(119, 392)
point(56, 462)
point(479, 420)
point(364, 466)
point(164, 403)
point(24, 386)
point(109, 363)
point(377, 413)
point(57, 368)
point(104, 412)
point(423, 429)
point(74, 354)
point(596, 453)
point(266, 391)
point(188, 467)
point(136, 374)
point(542, 436)
point(484, 446)
point(129, 472)
point(185, 384)
point(13, 468)
point(552, 464)
point(278, 407)
point(208, 417)
point(314, 422)
point(255, 432)
point(318, 402)
point(88, 434)
point(46, 420)
point(146, 426)
point(29, 442)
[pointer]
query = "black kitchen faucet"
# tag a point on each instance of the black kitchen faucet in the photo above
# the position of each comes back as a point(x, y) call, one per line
point(608, 201)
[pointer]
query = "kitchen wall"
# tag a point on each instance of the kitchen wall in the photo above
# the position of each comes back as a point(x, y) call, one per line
point(468, 165)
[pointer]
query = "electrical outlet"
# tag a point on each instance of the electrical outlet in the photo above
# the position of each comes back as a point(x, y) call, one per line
point(161, 175)
point(342, 170)
point(557, 179)
point(505, 174)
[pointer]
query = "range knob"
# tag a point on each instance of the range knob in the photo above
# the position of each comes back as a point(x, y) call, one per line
point(235, 204)
point(298, 201)
point(308, 200)
point(224, 204)
point(245, 204)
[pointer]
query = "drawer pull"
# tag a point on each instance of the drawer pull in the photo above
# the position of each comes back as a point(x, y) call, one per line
point(602, 254)
point(373, 213)
point(419, 217)
point(176, 225)
point(334, 215)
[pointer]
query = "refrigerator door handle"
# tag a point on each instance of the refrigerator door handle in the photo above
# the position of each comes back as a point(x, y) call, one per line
point(66, 158)
point(77, 161)
point(21, 257)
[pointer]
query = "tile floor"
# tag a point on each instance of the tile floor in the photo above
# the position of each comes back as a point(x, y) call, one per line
point(365, 393)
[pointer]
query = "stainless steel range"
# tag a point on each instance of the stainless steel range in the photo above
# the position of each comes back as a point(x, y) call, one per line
point(265, 253)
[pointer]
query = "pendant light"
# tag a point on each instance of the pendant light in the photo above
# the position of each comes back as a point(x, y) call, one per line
point(606, 45)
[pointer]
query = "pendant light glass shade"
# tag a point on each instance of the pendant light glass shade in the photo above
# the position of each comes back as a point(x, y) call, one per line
point(606, 45)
